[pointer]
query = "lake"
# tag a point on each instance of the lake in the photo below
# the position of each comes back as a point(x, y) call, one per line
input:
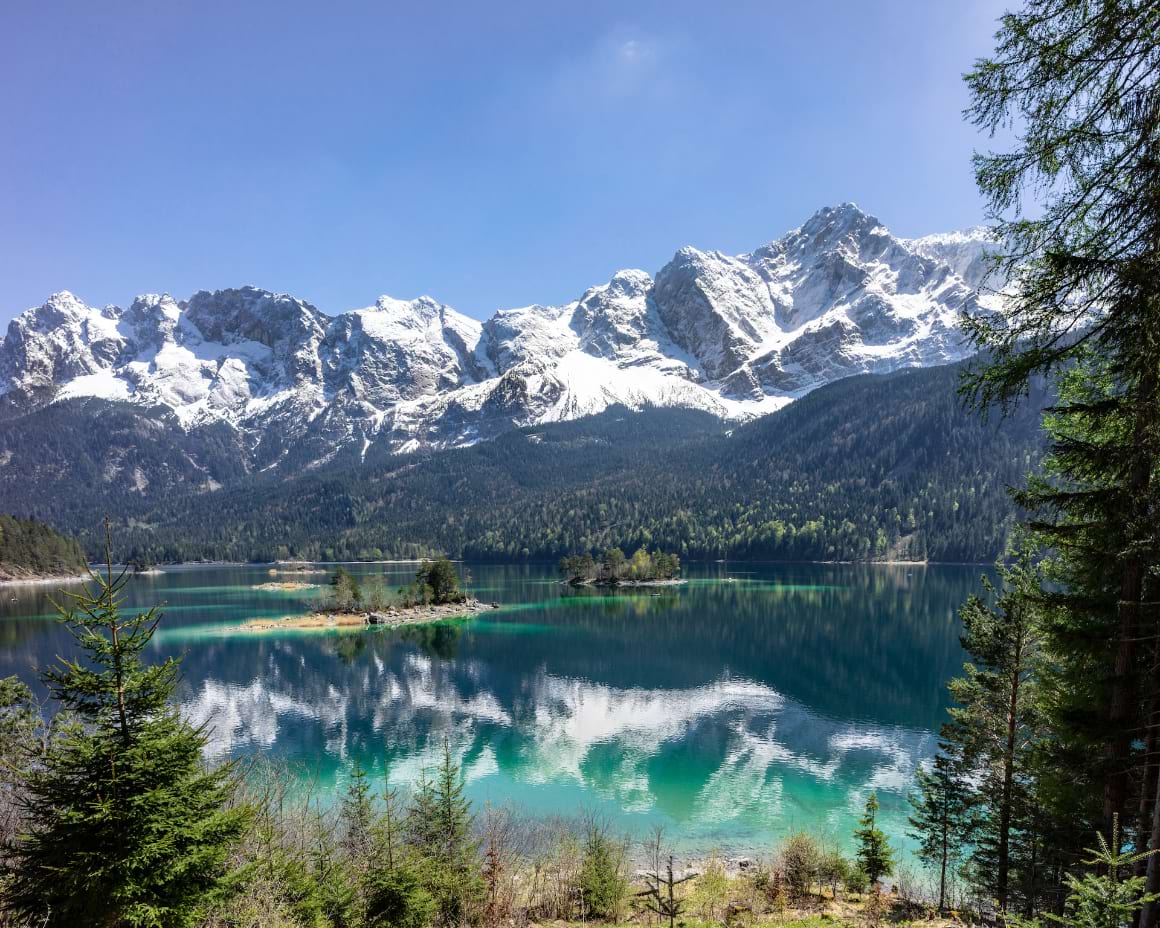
point(752, 701)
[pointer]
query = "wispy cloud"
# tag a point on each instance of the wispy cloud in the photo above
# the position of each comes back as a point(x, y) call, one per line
point(620, 65)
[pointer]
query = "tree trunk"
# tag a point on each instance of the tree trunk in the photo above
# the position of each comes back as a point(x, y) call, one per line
point(1150, 916)
point(1132, 572)
point(1119, 744)
point(1004, 862)
point(1151, 774)
point(942, 873)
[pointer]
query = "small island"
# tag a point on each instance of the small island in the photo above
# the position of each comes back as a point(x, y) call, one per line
point(286, 586)
point(434, 596)
point(613, 569)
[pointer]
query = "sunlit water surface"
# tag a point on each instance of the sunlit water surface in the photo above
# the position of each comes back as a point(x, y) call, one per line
point(752, 701)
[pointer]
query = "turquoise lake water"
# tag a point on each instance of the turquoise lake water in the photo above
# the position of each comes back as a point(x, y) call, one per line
point(750, 702)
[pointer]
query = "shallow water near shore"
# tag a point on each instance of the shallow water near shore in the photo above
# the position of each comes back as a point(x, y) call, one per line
point(750, 702)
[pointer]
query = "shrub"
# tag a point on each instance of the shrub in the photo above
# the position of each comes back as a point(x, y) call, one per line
point(800, 856)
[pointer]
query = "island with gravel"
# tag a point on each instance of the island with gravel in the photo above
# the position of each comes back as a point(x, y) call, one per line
point(391, 617)
point(354, 602)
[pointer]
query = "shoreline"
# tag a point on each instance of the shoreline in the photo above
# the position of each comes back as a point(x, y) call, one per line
point(392, 617)
point(629, 584)
point(45, 581)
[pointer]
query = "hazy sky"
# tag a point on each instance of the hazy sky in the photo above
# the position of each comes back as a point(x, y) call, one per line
point(491, 154)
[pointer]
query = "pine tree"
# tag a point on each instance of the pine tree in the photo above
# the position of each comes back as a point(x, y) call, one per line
point(440, 577)
point(393, 886)
point(439, 826)
point(997, 725)
point(359, 819)
point(1079, 79)
point(602, 881)
point(336, 889)
point(125, 826)
point(1107, 896)
point(358, 815)
point(940, 818)
point(875, 857)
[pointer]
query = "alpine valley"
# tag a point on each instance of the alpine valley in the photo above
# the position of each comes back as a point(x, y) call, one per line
point(129, 409)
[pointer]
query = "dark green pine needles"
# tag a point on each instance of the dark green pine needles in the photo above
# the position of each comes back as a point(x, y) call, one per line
point(124, 823)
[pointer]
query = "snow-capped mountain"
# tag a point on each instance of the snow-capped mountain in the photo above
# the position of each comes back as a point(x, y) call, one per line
point(737, 336)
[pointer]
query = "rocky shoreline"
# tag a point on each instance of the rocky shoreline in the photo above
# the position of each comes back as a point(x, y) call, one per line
point(11, 578)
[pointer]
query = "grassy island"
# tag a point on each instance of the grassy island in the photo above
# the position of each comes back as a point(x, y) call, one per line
point(644, 568)
point(393, 617)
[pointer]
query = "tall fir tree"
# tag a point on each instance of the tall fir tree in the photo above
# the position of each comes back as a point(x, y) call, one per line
point(1080, 82)
point(124, 823)
point(996, 725)
point(941, 817)
point(439, 825)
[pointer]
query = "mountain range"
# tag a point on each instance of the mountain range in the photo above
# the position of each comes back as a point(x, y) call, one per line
point(280, 385)
point(791, 403)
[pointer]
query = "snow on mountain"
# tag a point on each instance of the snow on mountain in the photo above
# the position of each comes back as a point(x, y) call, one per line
point(737, 336)
point(965, 253)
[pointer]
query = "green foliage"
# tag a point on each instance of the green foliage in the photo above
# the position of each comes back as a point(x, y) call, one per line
point(19, 722)
point(1079, 80)
point(439, 830)
point(577, 568)
point(644, 565)
point(857, 881)
point(941, 817)
point(602, 878)
point(439, 577)
point(374, 594)
point(995, 732)
point(1107, 896)
point(397, 898)
point(800, 856)
point(31, 549)
point(345, 590)
point(711, 890)
point(834, 870)
point(819, 480)
point(875, 857)
point(123, 823)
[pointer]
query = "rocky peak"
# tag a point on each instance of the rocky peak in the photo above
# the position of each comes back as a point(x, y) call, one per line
point(613, 316)
point(734, 335)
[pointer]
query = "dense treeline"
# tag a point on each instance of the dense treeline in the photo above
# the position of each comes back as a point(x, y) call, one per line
point(876, 467)
point(30, 549)
point(1057, 728)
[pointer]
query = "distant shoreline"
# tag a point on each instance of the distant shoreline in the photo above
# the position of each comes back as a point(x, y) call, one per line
point(290, 566)
point(615, 584)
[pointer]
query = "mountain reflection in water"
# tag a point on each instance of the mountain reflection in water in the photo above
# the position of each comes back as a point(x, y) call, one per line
point(732, 709)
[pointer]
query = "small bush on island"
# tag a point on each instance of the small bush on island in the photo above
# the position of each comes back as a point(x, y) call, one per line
point(345, 590)
point(436, 583)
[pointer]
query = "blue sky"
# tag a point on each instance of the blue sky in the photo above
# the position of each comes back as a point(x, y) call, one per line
point(489, 154)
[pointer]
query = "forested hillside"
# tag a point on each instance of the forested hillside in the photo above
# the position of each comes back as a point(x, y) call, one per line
point(874, 467)
point(30, 549)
